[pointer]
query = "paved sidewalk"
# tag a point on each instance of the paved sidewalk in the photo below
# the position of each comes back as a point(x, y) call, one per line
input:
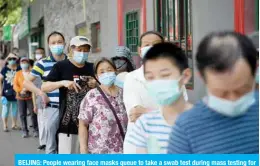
point(12, 143)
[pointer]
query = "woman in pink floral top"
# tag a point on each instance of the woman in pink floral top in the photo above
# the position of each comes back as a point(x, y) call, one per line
point(99, 131)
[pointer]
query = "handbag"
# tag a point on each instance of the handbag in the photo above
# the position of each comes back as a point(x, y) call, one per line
point(26, 95)
point(114, 112)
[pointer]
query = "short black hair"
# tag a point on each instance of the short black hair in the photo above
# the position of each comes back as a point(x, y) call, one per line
point(55, 33)
point(31, 61)
point(170, 51)
point(221, 50)
point(40, 48)
point(151, 32)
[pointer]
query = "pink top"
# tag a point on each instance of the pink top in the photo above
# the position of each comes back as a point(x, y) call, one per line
point(104, 135)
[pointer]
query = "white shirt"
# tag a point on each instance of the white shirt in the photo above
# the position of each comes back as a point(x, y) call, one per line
point(135, 93)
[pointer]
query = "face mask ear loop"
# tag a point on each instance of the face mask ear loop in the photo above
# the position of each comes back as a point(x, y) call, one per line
point(183, 89)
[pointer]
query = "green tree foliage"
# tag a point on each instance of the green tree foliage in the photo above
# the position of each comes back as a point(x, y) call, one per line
point(10, 11)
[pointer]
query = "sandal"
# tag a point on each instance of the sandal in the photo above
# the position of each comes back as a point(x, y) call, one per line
point(16, 128)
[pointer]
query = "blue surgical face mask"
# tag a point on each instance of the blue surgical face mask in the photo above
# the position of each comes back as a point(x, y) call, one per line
point(144, 50)
point(107, 79)
point(257, 76)
point(165, 92)
point(80, 57)
point(57, 49)
point(12, 62)
point(231, 108)
point(24, 66)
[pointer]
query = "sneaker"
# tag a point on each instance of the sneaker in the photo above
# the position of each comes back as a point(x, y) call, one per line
point(6, 129)
point(35, 134)
point(42, 147)
point(25, 135)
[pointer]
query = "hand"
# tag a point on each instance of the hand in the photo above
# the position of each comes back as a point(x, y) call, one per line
point(45, 98)
point(136, 112)
point(92, 83)
point(23, 92)
point(35, 110)
point(71, 85)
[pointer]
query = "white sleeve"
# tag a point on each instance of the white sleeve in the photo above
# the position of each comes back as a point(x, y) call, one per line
point(131, 93)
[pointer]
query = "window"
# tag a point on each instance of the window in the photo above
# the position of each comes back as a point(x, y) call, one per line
point(95, 37)
point(132, 31)
point(81, 29)
point(174, 22)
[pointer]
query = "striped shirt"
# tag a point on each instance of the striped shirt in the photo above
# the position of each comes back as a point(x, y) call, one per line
point(204, 131)
point(41, 69)
point(151, 132)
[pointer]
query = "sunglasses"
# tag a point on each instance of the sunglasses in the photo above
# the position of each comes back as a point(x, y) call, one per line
point(12, 59)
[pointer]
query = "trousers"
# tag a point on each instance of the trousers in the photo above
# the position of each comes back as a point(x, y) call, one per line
point(41, 125)
point(11, 105)
point(51, 127)
point(68, 144)
point(23, 105)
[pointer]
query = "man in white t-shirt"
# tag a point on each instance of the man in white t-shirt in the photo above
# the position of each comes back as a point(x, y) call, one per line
point(136, 98)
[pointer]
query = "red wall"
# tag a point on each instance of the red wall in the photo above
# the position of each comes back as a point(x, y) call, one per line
point(244, 16)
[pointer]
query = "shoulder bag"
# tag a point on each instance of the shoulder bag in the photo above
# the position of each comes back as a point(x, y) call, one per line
point(114, 112)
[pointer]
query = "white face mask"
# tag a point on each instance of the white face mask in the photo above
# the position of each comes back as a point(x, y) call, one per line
point(38, 56)
point(231, 108)
point(144, 50)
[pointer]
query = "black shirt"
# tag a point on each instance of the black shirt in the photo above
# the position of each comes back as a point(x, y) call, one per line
point(69, 99)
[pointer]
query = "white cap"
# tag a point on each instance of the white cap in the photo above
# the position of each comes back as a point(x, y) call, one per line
point(79, 41)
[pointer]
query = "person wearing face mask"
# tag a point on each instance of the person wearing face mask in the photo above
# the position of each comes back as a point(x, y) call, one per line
point(102, 117)
point(72, 78)
point(166, 72)
point(227, 120)
point(41, 69)
point(39, 54)
point(24, 98)
point(7, 92)
point(124, 64)
point(38, 106)
point(136, 98)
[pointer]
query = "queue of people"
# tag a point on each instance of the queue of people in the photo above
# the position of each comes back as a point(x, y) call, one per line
point(110, 107)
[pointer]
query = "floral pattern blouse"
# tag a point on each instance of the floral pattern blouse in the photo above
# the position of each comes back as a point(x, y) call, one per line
point(104, 135)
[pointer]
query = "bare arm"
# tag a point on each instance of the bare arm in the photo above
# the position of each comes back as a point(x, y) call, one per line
point(83, 137)
point(1, 84)
point(34, 102)
point(29, 85)
point(51, 86)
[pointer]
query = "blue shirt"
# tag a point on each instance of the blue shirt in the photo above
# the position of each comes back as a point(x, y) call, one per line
point(202, 130)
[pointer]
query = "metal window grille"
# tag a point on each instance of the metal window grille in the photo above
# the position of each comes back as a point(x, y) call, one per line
point(175, 23)
point(132, 30)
